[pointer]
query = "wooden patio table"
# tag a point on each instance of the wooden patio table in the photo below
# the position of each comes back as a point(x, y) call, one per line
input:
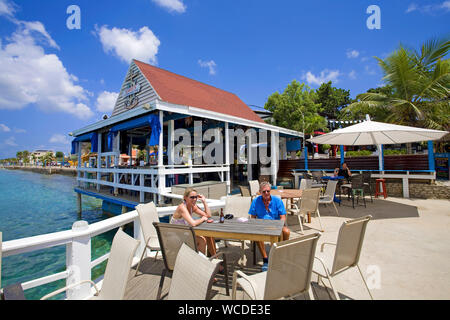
point(253, 230)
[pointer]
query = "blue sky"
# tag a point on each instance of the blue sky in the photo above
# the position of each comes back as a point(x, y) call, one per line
point(54, 80)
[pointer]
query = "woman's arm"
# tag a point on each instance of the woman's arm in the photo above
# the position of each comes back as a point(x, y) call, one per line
point(197, 210)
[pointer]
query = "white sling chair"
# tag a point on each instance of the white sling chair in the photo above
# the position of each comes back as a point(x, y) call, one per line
point(289, 272)
point(117, 270)
point(147, 215)
point(347, 253)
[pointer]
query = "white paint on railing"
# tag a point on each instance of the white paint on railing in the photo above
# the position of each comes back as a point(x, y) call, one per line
point(78, 247)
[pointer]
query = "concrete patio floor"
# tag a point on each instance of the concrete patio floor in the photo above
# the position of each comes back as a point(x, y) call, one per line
point(405, 255)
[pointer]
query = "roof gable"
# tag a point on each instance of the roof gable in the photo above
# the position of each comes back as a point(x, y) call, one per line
point(176, 89)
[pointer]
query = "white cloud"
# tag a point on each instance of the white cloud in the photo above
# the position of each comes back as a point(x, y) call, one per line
point(325, 76)
point(352, 54)
point(106, 101)
point(369, 70)
point(28, 75)
point(127, 45)
point(211, 65)
point(430, 8)
point(352, 75)
point(171, 5)
point(11, 142)
point(18, 130)
point(6, 8)
point(4, 128)
point(59, 138)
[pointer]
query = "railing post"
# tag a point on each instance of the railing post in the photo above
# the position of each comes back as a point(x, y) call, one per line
point(78, 261)
point(137, 232)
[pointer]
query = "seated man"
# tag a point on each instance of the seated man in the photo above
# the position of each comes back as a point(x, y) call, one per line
point(343, 172)
point(267, 207)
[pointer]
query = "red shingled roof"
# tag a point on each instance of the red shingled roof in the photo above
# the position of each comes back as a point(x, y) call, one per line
point(177, 89)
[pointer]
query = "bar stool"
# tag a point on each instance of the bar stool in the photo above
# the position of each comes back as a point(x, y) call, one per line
point(381, 182)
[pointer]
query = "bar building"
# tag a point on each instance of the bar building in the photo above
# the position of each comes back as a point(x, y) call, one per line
point(153, 107)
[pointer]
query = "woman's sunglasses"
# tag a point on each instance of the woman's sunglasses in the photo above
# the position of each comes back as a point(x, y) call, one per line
point(193, 197)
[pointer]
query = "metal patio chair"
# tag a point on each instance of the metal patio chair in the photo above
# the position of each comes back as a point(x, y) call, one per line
point(193, 276)
point(147, 215)
point(346, 254)
point(328, 197)
point(356, 188)
point(309, 202)
point(171, 237)
point(367, 185)
point(288, 274)
point(245, 191)
point(254, 188)
point(117, 270)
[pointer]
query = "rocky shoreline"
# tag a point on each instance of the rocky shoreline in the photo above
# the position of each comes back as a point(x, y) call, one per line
point(45, 170)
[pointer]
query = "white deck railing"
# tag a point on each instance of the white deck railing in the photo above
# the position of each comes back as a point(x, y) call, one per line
point(78, 248)
point(135, 178)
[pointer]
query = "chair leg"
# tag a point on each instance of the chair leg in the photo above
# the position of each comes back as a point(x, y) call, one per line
point(161, 282)
point(310, 293)
point(365, 283)
point(225, 270)
point(300, 222)
point(320, 222)
point(139, 264)
point(335, 208)
point(336, 295)
point(234, 287)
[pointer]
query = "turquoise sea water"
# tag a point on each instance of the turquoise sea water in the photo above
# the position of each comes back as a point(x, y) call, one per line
point(33, 204)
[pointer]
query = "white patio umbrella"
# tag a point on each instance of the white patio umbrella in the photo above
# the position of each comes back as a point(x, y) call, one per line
point(376, 133)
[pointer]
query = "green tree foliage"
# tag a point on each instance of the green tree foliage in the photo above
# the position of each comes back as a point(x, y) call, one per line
point(417, 91)
point(289, 107)
point(59, 155)
point(332, 100)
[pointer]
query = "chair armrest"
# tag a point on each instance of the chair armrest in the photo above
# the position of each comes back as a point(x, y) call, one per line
point(323, 244)
point(54, 293)
point(246, 278)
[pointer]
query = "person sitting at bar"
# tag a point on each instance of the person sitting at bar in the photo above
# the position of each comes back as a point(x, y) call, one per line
point(183, 215)
point(267, 207)
point(343, 172)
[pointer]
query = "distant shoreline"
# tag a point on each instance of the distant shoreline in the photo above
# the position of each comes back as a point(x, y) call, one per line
point(45, 170)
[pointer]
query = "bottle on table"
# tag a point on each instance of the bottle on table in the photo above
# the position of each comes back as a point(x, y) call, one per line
point(221, 218)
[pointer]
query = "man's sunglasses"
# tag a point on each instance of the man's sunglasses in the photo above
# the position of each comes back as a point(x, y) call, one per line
point(266, 191)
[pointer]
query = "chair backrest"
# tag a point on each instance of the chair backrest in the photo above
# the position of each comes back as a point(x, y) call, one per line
point(349, 244)
point(192, 277)
point(309, 201)
point(305, 184)
point(290, 267)
point(357, 181)
point(245, 191)
point(317, 175)
point(331, 189)
point(147, 215)
point(366, 176)
point(118, 266)
point(254, 187)
point(237, 206)
point(171, 237)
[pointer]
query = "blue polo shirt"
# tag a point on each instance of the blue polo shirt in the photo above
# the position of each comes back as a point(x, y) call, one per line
point(276, 208)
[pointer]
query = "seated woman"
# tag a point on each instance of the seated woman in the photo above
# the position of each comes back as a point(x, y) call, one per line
point(183, 215)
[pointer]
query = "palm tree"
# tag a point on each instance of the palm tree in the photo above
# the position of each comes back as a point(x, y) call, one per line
point(420, 83)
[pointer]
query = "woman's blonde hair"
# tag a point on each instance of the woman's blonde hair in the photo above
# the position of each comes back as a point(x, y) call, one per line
point(188, 191)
